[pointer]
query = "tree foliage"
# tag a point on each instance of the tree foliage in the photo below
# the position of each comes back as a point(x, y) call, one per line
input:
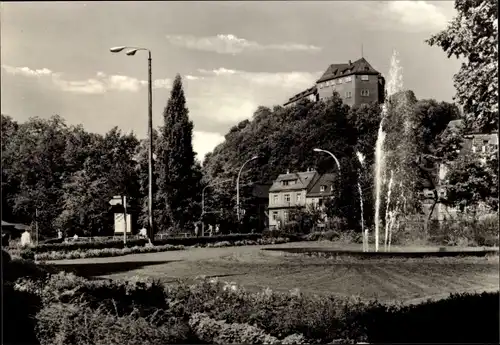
point(473, 35)
point(178, 173)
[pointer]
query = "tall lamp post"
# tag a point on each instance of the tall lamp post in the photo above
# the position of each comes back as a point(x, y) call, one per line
point(131, 52)
point(238, 186)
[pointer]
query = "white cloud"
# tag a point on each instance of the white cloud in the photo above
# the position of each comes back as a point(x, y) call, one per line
point(279, 79)
point(99, 84)
point(230, 44)
point(204, 142)
point(417, 15)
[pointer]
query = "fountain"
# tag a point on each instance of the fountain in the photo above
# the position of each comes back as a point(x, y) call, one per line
point(364, 234)
point(394, 85)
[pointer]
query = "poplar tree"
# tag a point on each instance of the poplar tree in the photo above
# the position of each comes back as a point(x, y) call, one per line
point(177, 173)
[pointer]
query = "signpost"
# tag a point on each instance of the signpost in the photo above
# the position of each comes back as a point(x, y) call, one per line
point(121, 200)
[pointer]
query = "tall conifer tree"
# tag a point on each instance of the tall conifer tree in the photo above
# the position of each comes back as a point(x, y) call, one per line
point(177, 172)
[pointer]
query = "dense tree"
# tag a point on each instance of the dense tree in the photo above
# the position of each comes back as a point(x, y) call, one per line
point(471, 183)
point(473, 35)
point(178, 175)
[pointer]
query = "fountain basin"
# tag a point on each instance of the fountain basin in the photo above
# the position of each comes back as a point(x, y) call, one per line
point(436, 252)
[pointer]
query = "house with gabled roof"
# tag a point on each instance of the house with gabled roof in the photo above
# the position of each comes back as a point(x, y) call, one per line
point(297, 190)
point(356, 82)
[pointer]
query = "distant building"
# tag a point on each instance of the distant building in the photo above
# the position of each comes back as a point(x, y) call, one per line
point(356, 82)
point(478, 144)
point(297, 190)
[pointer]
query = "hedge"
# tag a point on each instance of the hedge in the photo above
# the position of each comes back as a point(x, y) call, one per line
point(133, 242)
point(215, 312)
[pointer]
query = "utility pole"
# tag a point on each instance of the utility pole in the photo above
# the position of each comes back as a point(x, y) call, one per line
point(150, 151)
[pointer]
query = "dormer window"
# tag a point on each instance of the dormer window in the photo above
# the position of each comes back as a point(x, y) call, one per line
point(284, 183)
point(331, 188)
point(322, 188)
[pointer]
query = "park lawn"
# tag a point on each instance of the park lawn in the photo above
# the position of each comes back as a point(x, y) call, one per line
point(388, 280)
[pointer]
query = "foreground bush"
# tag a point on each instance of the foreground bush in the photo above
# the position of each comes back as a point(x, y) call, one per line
point(106, 252)
point(62, 324)
point(211, 311)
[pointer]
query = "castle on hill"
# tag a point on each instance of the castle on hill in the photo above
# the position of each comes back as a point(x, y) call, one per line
point(356, 82)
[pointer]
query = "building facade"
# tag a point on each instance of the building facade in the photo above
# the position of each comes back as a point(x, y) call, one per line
point(297, 190)
point(356, 83)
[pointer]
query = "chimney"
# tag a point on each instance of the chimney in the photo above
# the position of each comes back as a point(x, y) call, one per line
point(350, 63)
point(287, 171)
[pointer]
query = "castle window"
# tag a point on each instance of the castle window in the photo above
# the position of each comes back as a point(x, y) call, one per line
point(365, 93)
point(348, 94)
point(364, 77)
point(322, 188)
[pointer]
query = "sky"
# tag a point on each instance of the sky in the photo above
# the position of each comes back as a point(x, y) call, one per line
point(232, 56)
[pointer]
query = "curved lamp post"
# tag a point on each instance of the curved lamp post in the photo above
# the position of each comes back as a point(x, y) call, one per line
point(238, 186)
point(131, 52)
point(331, 154)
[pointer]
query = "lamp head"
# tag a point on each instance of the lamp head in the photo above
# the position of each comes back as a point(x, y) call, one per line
point(317, 150)
point(131, 52)
point(255, 157)
point(117, 49)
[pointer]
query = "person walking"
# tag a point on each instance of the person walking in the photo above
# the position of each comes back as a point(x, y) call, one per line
point(210, 230)
point(196, 229)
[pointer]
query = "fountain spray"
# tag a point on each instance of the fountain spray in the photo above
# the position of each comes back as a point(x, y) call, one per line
point(363, 235)
point(394, 85)
point(387, 214)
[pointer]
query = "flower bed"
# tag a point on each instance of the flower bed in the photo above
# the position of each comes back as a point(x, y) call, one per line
point(29, 254)
point(106, 252)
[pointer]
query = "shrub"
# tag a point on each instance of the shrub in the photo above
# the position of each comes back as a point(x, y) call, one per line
point(27, 253)
point(106, 252)
point(62, 324)
point(219, 332)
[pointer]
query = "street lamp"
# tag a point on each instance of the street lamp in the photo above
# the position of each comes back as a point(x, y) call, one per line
point(238, 186)
point(131, 52)
point(203, 201)
point(331, 154)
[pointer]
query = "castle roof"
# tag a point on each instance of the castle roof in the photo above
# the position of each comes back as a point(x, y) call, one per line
point(360, 66)
point(305, 93)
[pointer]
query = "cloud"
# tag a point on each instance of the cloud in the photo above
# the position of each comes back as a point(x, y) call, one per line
point(204, 142)
point(417, 15)
point(230, 44)
point(279, 79)
point(100, 84)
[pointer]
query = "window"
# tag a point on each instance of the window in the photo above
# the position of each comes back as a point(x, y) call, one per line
point(293, 181)
point(340, 80)
point(348, 79)
point(331, 188)
point(285, 215)
point(287, 197)
point(473, 148)
point(364, 77)
point(275, 215)
point(284, 183)
point(275, 198)
point(297, 197)
point(365, 93)
point(320, 202)
point(322, 188)
point(348, 94)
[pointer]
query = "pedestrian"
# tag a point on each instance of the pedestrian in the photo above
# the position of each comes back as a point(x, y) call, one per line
point(217, 229)
point(196, 229)
point(143, 233)
point(210, 230)
point(59, 234)
point(75, 238)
